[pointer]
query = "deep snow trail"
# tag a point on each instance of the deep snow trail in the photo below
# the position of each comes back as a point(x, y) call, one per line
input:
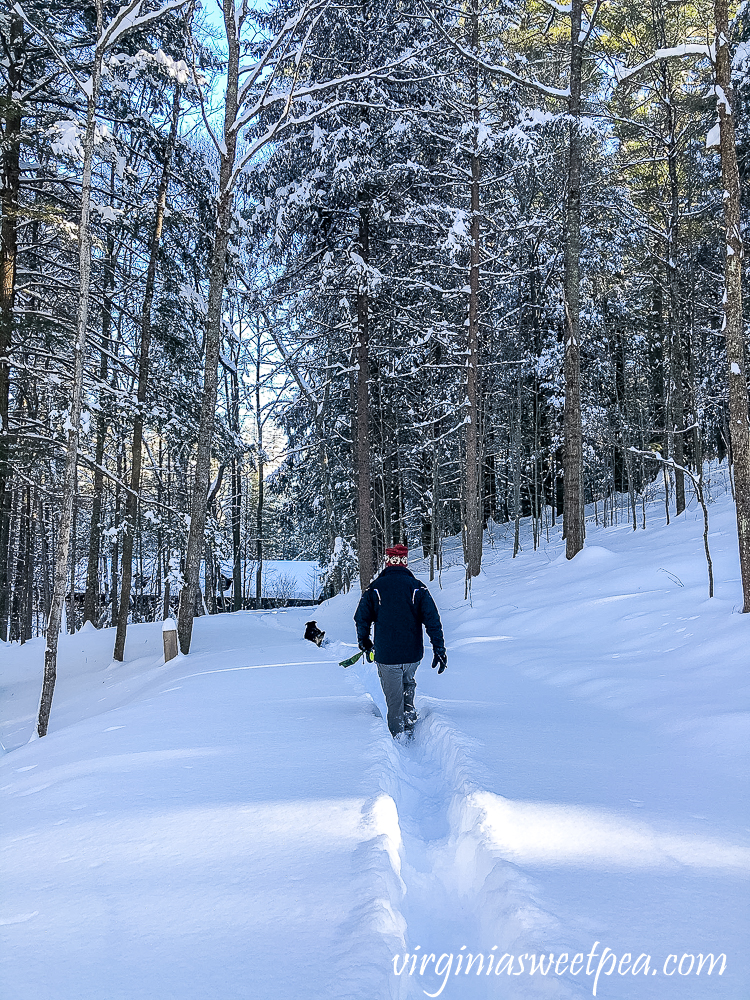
point(436, 876)
point(459, 898)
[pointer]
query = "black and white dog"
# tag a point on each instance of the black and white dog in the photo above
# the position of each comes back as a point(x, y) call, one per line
point(313, 633)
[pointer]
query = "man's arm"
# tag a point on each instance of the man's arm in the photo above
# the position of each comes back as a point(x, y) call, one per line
point(364, 617)
point(431, 620)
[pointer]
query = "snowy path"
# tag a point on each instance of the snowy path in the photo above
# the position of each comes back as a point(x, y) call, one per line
point(458, 897)
point(239, 823)
point(436, 876)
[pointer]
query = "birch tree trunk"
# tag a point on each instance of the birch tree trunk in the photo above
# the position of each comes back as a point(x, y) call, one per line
point(733, 328)
point(213, 335)
point(573, 519)
point(144, 360)
point(73, 421)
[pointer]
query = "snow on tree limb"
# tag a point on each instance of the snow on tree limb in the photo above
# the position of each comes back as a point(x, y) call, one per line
point(129, 16)
point(53, 49)
point(677, 52)
point(290, 95)
point(713, 138)
point(493, 67)
point(278, 42)
point(125, 19)
point(722, 99)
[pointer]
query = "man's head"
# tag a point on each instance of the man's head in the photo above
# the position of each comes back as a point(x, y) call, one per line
point(397, 556)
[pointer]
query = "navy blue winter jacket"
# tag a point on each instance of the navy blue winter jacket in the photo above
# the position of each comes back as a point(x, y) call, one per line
point(399, 605)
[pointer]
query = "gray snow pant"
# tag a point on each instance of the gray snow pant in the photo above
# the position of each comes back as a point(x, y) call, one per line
point(397, 681)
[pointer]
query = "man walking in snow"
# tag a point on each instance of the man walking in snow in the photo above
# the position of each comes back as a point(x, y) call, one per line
point(399, 605)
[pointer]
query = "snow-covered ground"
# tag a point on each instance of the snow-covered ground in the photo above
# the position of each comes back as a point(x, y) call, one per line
point(239, 824)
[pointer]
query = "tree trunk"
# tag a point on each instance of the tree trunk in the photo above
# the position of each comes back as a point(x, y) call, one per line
point(676, 416)
point(517, 468)
point(115, 553)
point(472, 499)
point(236, 510)
point(236, 535)
point(28, 601)
point(573, 511)
point(13, 540)
point(362, 418)
point(91, 600)
point(331, 522)
point(631, 487)
point(132, 499)
point(435, 496)
point(261, 484)
point(19, 560)
point(737, 377)
point(71, 615)
point(212, 338)
point(11, 176)
point(209, 580)
point(46, 594)
point(74, 412)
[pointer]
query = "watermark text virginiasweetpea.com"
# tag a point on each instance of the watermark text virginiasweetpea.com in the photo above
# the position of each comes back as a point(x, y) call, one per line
point(597, 963)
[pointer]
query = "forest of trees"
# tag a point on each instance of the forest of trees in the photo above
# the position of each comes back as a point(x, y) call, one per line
point(306, 279)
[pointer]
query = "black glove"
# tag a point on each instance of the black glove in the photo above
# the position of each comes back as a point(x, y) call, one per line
point(440, 660)
point(365, 644)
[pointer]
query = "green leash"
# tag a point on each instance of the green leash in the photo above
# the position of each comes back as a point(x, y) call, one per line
point(357, 656)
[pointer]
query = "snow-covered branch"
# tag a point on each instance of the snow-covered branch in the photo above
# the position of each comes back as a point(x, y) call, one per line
point(81, 84)
point(129, 16)
point(280, 41)
point(126, 18)
point(677, 52)
point(311, 91)
point(495, 68)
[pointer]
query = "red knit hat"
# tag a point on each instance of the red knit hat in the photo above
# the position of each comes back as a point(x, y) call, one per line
point(397, 556)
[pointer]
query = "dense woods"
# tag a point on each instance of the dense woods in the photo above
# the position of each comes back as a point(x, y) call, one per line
point(307, 280)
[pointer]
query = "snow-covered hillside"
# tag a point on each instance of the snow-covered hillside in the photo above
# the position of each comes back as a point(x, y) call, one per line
point(239, 823)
